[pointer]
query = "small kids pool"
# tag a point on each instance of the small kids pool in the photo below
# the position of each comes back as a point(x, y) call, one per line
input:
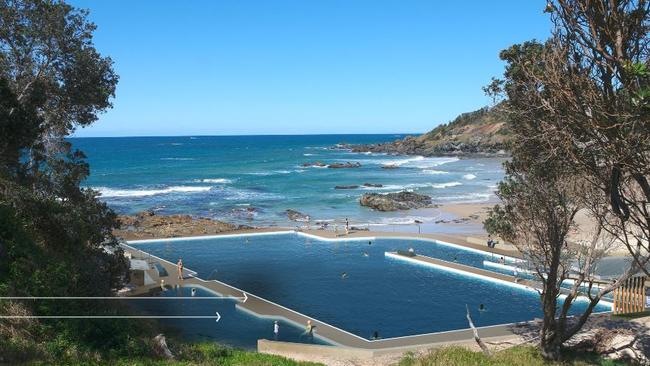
point(351, 284)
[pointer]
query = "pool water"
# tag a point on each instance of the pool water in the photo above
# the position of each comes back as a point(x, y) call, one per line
point(235, 328)
point(353, 285)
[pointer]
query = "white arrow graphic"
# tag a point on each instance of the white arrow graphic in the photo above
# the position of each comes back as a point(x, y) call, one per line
point(111, 317)
point(218, 317)
point(243, 299)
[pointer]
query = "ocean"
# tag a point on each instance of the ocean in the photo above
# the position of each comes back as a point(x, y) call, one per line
point(253, 180)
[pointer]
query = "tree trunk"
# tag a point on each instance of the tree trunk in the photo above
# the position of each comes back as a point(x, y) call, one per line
point(550, 347)
point(551, 331)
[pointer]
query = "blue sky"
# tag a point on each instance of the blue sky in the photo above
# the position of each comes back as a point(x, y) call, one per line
point(302, 67)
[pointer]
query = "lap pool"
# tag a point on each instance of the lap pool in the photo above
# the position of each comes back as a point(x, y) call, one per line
point(351, 284)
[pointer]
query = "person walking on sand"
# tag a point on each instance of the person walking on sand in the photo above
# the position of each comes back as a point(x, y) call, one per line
point(179, 265)
point(347, 224)
point(276, 330)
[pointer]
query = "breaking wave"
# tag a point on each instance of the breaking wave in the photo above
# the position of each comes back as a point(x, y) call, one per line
point(110, 192)
point(214, 180)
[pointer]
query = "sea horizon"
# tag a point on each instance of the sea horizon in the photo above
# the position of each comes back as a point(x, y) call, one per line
point(257, 135)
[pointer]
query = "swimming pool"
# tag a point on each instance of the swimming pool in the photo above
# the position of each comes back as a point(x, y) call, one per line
point(352, 285)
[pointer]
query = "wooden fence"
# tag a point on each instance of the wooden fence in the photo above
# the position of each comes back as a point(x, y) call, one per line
point(630, 298)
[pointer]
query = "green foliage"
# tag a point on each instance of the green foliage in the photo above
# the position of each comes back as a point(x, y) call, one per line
point(515, 356)
point(55, 237)
point(470, 118)
point(63, 353)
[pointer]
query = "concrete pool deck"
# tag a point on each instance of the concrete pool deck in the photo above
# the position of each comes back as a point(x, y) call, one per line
point(264, 308)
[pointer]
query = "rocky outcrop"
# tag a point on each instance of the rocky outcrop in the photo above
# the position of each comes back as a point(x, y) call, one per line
point(346, 187)
point(294, 215)
point(395, 201)
point(344, 165)
point(479, 133)
point(148, 225)
point(373, 185)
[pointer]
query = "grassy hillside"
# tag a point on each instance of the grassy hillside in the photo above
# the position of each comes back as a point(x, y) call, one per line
point(481, 132)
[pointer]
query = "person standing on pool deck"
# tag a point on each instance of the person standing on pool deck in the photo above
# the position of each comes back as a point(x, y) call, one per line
point(309, 330)
point(276, 330)
point(179, 265)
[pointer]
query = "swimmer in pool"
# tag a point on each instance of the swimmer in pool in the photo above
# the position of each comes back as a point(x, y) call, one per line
point(369, 243)
point(193, 291)
point(481, 308)
point(344, 275)
point(365, 254)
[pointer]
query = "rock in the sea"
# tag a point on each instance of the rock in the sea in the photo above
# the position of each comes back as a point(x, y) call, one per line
point(389, 166)
point(346, 187)
point(344, 165)
point(294, 215)
point(395, 201)
point(373, 185)
point(333, 165)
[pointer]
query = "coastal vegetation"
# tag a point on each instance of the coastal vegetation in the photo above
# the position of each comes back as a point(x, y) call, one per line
point(577, 107)
point(483, 132)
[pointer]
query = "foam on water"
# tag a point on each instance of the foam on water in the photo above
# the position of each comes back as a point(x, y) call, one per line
point(109, 192)
point(434, 172)
point(214, 180)
point(446, 185)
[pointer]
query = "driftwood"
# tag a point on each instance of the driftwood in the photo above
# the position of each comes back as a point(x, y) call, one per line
point(478, 340)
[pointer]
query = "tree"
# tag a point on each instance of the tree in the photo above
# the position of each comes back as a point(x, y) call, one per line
point(594, 94)
point(540, 197)
point(51, 81)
